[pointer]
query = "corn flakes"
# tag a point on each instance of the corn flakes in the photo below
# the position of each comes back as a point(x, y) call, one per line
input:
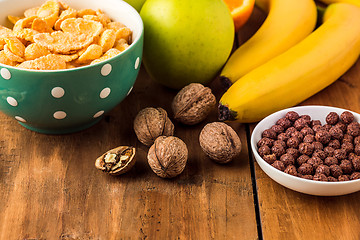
point(48, 62)
point(109, 54)
point(12, 56)
point(49, 11)
point(107, 39)
point(41, 26)
point(93, 52)
point(55, 36)
point(5, 60)
point(35, 50)
point(68, 13)
point(62, 42)
point(31, 12)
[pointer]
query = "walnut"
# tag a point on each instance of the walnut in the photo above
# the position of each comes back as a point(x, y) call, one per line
point(167, 157)
point(116, 161)
point(151, 123)
point(220, 142)
point(193, 103)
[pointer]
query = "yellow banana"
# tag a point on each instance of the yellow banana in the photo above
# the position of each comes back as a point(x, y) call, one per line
point(354, 2)
point(300, 72)
point(288, 22)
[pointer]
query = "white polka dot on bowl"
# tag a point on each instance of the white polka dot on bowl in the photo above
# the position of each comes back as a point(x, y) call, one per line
point(106, 69)
point(20, 119)
point(98, 114)
point(137, 63)
point(5, 73)
point(59, 114)
point(105, 92)
point(12, 101)
point(57, 92)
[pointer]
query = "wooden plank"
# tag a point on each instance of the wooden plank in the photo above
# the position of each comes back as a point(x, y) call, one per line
point(286, 214)
point(50, 188)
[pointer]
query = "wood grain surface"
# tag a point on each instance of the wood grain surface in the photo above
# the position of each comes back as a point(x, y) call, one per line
point(50, 188)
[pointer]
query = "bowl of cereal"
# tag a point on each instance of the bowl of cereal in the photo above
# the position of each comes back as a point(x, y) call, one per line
point(64, 64)
point(310, 149)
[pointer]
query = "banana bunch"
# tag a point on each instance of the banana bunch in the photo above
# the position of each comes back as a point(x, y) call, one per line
point(288, 22)
point(298, 73)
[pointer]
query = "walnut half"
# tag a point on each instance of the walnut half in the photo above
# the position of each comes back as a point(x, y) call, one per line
point(116, 161)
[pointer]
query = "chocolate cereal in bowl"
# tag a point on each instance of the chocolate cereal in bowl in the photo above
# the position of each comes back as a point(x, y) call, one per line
point(64, 64)
point(310, 149)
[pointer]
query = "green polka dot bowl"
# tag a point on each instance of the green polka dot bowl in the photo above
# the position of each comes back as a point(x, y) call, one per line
point(70, 100)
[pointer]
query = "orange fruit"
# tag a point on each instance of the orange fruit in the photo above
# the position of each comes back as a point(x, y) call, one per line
point(240, 11)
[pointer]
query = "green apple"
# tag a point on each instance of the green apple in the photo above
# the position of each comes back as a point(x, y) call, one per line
point(137, 4)
point(186, 41)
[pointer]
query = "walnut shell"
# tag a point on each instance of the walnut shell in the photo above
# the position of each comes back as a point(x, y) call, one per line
point(167, 157)
point(220, 142)
point(116, 161)
point(193, 103)
point(151, 123)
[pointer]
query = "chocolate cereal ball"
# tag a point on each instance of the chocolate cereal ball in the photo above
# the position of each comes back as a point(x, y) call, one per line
point(293, 152)
point(264, 150)
point(306, 148)
point(317, 128)
point(292, 116)
point(302, 159)
point(287, 159)
point(323, 169)
point(315, 162)
point(332, 179)
point(269, 133)
point(355, 175)
point(278, 150)
point(320, 154)
point(309, 138)
point(293, 142)
point(323, 136)
point(278, 165)
point(300, 123)
point(284, 122)
point(335, 144)
point(336, 133)
point(270, 158)
point(297, 134)
point(320, 177)
point(347, 138)
point(343, 178)
point(357, 140)
point(346, 166)
point(307, 131)
point(356, 163)
point(329, 151)
point(280, 142)
point(340, 154)
point(283, 137)
point(315, 122)
point(341, 125)
point(332, 118)
point(347, 117)
point(335, 171)
point(265, 141)
point(331, 161)
point(307, 118)
point(348, 147)
point(306, 169)
point(277, 129)
point(289, 131)
point(317, 146)
point(309, 177)
point(291, 169)
point(353, 129)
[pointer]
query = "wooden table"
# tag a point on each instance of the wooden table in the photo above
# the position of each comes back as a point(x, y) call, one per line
point(50, 188)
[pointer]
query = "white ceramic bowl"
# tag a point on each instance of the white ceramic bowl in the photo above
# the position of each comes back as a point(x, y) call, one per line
point(296, 183)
